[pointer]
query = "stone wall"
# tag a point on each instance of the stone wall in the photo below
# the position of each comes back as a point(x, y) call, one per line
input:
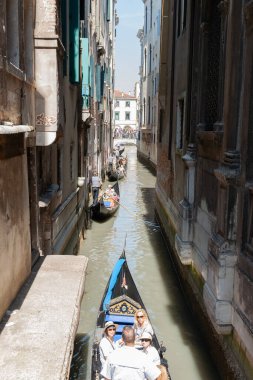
point(15, 245)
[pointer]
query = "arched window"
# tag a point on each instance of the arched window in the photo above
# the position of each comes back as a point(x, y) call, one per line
point(144, 111)
point(13, 35)
point(150, 58)
point(151, 12)
point(149, 110)
point(146, 20)
point(145, 62)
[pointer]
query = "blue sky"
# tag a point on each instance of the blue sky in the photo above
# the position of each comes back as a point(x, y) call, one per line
point(128, 52)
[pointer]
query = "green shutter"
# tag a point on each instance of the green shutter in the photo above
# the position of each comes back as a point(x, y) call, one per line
point(108, 10)
point(74, 41)
point(85, 71)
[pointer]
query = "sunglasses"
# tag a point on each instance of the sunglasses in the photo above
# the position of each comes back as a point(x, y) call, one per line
point(140, 316)
point(145, 340)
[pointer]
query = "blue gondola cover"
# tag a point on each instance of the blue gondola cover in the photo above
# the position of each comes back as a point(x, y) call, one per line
point(112, 283)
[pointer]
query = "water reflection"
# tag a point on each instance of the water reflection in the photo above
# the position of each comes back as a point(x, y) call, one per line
point(149, 263)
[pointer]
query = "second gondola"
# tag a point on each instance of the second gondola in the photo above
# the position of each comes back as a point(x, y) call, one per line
point(107, 204)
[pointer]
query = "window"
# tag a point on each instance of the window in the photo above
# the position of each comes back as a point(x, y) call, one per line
point(146, 20)
point(151, 12)
point(127, 104)
point(181, 16)
point(144, 111)
point(150, 58)
point(213, 68)
point(127, 116)
point(145, 62)
point(13, 32)
point(180, 123)
point(71, 162)
point(117, 103)
point(116, 115)
point(161, 118)
point(149, 110)
point(28, 39)
point(59, 165)
point(250, 218)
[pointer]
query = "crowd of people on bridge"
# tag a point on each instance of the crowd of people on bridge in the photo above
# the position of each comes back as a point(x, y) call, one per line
point(133, 356)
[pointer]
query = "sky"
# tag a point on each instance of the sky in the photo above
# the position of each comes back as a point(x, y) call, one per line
point(128, 51)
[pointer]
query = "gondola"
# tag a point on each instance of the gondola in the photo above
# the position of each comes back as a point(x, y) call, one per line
point(114, 175)
point(120, 301)
point(104, 208)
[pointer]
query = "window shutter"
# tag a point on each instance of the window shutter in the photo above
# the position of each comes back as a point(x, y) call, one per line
point(108, 9)
point(74, 41)
point(85, 71)
point(98, 83)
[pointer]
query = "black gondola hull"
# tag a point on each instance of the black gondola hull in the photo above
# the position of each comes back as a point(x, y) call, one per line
point(115, 176)
point(124, 301)
point(100, 211)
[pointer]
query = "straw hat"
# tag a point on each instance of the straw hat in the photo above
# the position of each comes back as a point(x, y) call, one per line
point(109, 324)
point(146, 335)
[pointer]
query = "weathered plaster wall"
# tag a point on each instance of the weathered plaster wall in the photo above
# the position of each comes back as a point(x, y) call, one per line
point(15, 247)
point(210, 230)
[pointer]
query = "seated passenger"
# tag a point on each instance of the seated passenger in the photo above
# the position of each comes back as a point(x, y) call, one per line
point(107, 345)
point(128, 363)
point(141, 325)
point(149, 350)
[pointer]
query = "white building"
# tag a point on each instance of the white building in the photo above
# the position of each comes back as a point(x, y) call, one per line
point(125, 115)
point(149, 79)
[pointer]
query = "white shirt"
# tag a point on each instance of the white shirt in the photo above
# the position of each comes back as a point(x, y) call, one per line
point(95, 181)
point(145, 328)
point(105, 348)
point(128, 363)
point(152, 355)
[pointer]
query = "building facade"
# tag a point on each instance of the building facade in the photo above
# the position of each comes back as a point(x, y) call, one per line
point(125, 115)
point(99, 20)
point(55, 126)
point(149, 80)
point(204, 168)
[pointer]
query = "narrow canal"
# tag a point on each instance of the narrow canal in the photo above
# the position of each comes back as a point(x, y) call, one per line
point(152, 270)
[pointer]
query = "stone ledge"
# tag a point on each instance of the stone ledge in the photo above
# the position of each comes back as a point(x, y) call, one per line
point(38, 330)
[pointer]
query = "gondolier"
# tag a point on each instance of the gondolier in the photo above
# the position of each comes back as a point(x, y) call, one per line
point(96, 184)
